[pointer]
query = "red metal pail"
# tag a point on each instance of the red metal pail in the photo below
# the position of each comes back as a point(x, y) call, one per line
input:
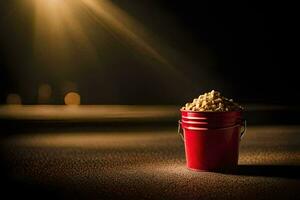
point(211, 139)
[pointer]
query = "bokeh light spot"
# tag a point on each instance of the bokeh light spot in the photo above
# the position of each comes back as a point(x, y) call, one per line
point(72, 98)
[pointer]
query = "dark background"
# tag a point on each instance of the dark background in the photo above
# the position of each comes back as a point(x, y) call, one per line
point(243, 49)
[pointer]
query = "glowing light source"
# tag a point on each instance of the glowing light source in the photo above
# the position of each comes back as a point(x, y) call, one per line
point(65, 30)
point(58, 22)
point(14, 99)
point(57, 25)
point(72, 98)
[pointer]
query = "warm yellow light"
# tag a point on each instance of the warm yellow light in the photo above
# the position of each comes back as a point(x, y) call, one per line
point(72, 98)
point(70, 33)
point(58, 22)
point(124, 27)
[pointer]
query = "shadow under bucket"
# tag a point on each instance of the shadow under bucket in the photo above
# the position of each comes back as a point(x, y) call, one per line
point(211, 139)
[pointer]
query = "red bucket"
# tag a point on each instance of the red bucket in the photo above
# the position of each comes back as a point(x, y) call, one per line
point(211, 139)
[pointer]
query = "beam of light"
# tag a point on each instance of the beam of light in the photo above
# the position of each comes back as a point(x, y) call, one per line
point(65, 38)
point(59, 21)
point(123, 27)
point(56, 27)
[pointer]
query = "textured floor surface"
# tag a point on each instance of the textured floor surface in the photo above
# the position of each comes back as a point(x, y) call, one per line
point(151, 165)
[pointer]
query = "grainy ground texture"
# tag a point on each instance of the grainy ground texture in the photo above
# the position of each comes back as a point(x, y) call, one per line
point(147, 164)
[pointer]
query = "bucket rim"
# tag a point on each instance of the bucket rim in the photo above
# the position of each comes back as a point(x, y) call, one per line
point(232, 111)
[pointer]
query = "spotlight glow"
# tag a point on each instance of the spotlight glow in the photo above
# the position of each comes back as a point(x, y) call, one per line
point(124, 27)
point(59, 22)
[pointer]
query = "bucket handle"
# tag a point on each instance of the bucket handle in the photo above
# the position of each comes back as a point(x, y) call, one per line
point(180, 130)
point(244, 125)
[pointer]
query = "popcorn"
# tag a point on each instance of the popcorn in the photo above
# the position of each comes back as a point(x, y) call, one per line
point(212, 102)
